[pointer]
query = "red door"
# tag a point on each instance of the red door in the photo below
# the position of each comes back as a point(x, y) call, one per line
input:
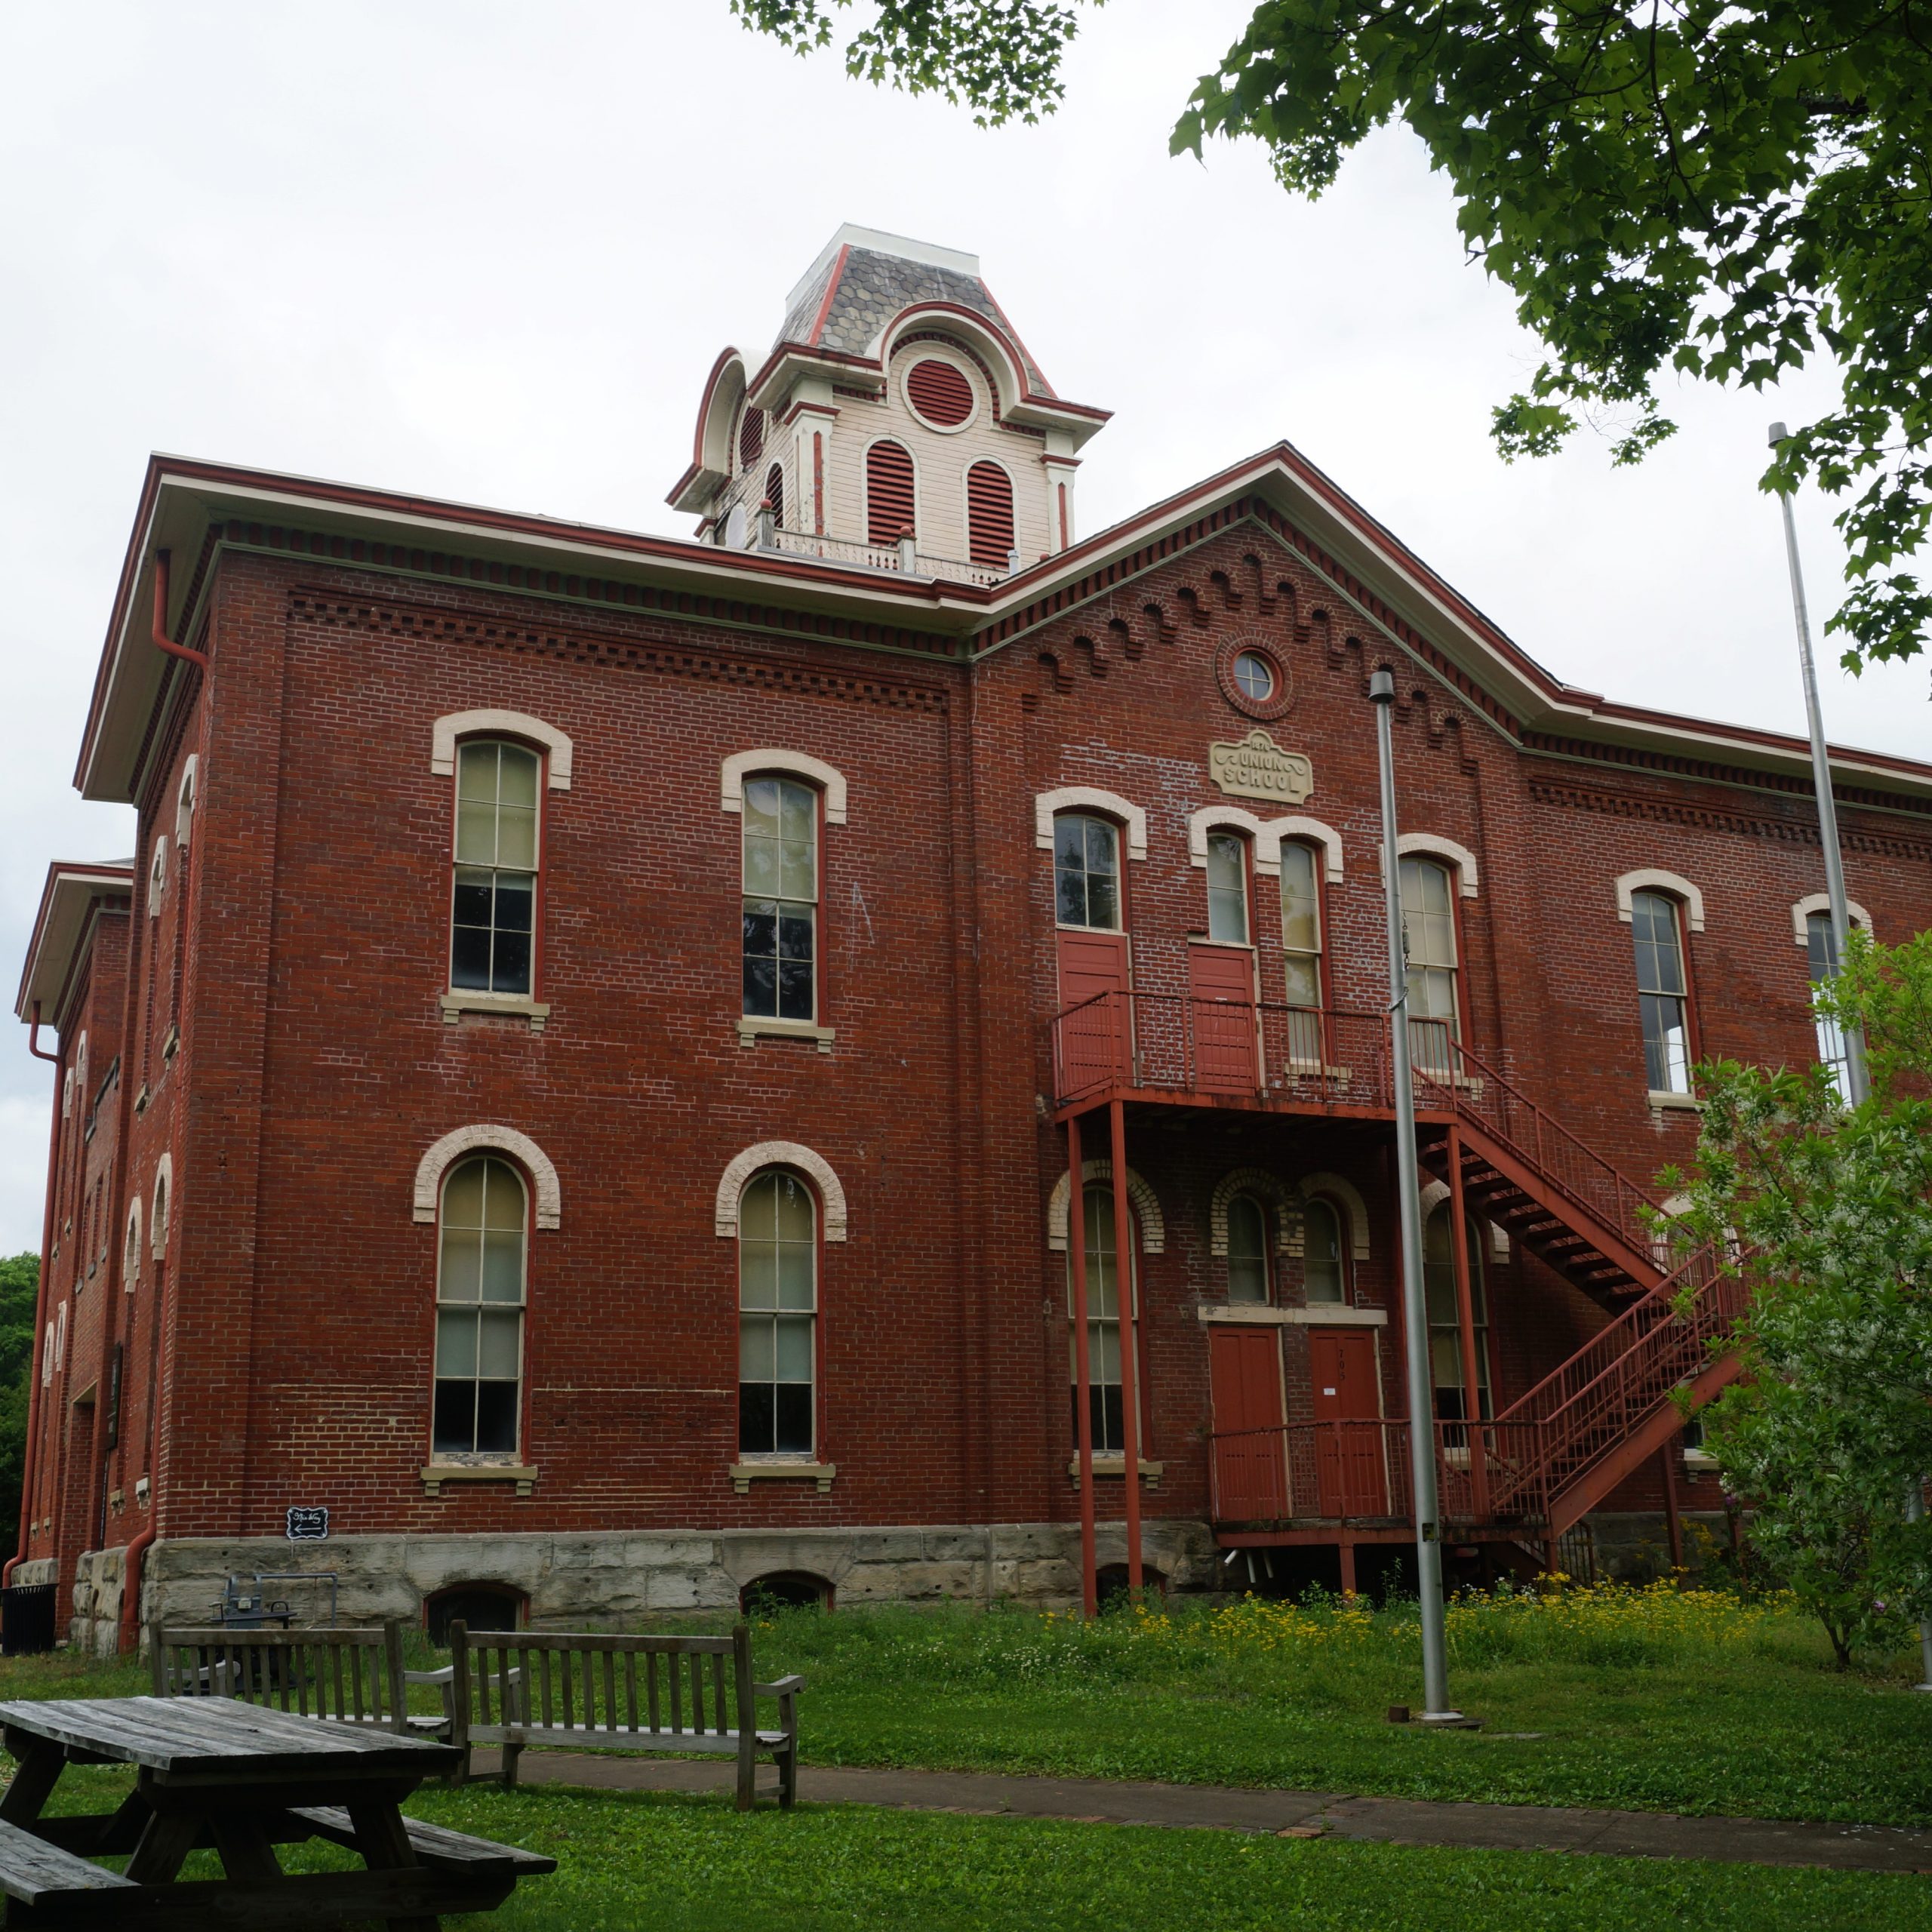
point(1221, 984)
point(1350, 1477)
point(1250, 1460)
point(1095, 1043)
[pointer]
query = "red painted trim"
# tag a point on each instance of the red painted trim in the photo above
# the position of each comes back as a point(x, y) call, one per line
point(831, 290)
point(1025, 355)
point(159, 631)
point(33, 1042)
point(725, 356)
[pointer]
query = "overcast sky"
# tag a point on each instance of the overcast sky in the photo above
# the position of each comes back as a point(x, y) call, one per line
point(488, 251)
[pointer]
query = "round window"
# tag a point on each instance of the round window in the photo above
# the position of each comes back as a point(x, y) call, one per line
point(939, 392)
point(1254, 676)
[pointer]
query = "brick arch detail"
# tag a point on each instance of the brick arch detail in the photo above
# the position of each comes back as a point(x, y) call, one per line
point(1436, 1191)
point(733, 771)
point(1433, 845)
point(1821, 902)
point(1271, 1189)
point(1348, 1197)
point(739, 1171)
point(486, 1137)
point(446, 730)
point(1654, 877)
point(1146, 1206)
point(1070, 798)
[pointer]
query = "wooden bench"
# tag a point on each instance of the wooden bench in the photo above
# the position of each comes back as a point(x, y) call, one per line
point(43, 1878)
point(565, 1690)
point(353, 1677)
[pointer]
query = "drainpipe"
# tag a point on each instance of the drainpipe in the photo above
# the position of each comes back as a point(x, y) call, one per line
point(158, 630)
point(29, 1470)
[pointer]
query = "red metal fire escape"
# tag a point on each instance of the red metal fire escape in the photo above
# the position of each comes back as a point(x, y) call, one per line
point(1555, 1453)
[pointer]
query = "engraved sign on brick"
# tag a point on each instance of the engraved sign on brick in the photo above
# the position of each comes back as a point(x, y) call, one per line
point(1257, 768)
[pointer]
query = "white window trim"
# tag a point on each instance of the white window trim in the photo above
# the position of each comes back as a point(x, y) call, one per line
point(1269, 835)
point(1648, 878)
point(130, 1252)
point(1312, 831)
point(917, 352)
point(740, 1172)
point(444, 733)
point(158, 876)
point(163, 1210)
point(486, 1137)
point(60, 1337)
point(1821, 902)
point(1433, 845)
point(1349, 1195)
point(741, 765)
point(185, 799)
point(1435, 1192)
point(1047, 806)
point(1265, 1186)
point(1146, 1208)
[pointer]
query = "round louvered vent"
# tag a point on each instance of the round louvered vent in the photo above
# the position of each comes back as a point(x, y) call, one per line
point(939, 392)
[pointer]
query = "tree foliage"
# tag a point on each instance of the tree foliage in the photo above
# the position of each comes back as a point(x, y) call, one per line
point(20, 1287)
point(1829, 1212)
point(1720, 189)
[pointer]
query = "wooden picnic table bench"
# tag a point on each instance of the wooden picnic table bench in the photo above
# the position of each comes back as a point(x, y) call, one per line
point(572, 1691)
point(240, 1779)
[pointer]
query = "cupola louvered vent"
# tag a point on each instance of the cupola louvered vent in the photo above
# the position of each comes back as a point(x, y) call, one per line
point(989, 514)
point(939, 392)
point(774, 493)
point(888, 493)
point(750, 438)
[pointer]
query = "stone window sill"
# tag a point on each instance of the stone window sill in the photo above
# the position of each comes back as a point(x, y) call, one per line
point(1320, 1314)
point(1312, 1069)
point(171, 1045)
point(743, 1475)
point(455, 1004)
point(750, 1032)
point(1150, 1473)
point(437, 1474)
point(1690, 1102)
point(1699, 1463)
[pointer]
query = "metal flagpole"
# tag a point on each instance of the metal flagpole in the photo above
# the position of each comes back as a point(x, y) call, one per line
point(1415, 1306)
point(1857, 1079)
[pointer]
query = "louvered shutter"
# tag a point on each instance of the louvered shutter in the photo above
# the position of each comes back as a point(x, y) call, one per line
point(888, 493)
point(988, 514)
point(774, 493)
point(939, 392)
point(750, 438)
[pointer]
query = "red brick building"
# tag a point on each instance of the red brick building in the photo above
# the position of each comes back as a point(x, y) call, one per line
point(576, 1080)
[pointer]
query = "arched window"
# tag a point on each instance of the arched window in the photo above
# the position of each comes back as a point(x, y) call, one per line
point(889, 494)
point(131, 1255)
point(1247, 1250)
point(1428, 942)
point(1301, 923)
point(1821, 959)
point(1662, 992)
point(774, 493)
point(751, 436)
point(780, 903)
point(493, 900)
point(480, 1291)
point(1087, 872)
point(1103, 1307)
point(1445, 1329)
point(777, 1310)
point(1227, 887)
point(158, 876)
point(1324, 1263)
point(989, 515)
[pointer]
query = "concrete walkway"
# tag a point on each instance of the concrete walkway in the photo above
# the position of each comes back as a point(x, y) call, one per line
point(1291, 1813)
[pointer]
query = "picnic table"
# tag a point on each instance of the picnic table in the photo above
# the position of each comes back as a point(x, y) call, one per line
point(240, 1778)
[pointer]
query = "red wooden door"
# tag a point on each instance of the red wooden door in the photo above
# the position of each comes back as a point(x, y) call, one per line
point(1350, 1478)
point(1221, 985)
point(1250, 1458)
point(1096, 1043)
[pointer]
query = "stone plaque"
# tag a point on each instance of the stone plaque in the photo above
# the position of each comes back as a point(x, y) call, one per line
point(1257, 768)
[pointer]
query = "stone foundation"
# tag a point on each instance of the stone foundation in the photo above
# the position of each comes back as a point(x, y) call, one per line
point(94, 1629)
point(1634, 1546)
point(41, 1569)
point(619, 1578)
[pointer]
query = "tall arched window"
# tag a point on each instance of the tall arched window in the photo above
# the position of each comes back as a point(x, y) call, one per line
point(1821, 959)
point(1429, 943)
point(1323, 1260)
point(774, 493)
point(481, 1289)
point(493, 904)
point(1301, 923)
point(1445, 1329)
point(889, 494)
point(780, 909)
point(1103, 1309)
point(1247, 1250)
point(1662, 992)
point(777, 1307)
point(1087, 872)
point(1227, 887)
point(989, 515)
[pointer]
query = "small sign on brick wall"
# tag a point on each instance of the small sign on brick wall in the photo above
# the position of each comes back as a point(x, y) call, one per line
point(308, 1523)
point(1257, 768)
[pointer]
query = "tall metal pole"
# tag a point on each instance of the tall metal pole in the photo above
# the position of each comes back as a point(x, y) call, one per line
point(1857, 1079)
point(1415, 1305)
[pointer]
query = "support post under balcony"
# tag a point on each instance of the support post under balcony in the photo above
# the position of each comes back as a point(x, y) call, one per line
point(1126, 1298)
point(1083, 1377)
point(1465, 1324)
